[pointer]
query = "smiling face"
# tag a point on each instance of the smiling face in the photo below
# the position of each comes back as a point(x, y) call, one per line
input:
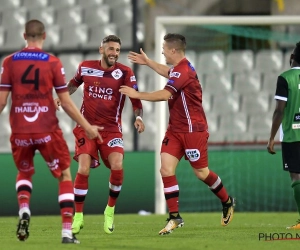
point(110, 52)
point(167, 52)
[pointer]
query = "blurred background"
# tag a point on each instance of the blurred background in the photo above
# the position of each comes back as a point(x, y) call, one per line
point(237, 65)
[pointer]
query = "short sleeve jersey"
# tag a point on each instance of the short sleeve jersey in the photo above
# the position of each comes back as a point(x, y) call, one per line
point(30, 75)
point(288, 90)
point(185, 104)
point(102, 102)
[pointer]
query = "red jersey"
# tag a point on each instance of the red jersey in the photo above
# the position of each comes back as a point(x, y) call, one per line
point(30, 75)
point(185, 104)
point(102, 102)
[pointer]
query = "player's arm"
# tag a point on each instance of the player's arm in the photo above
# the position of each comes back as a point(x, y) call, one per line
point(281, 96)
point(156, 96)
point(3, 99)
point(143, 59)
point(70, 108)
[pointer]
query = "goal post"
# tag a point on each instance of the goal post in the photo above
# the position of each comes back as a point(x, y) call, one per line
point(161, 28)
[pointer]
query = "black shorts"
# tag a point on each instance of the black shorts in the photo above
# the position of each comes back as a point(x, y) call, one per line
point(291, 156)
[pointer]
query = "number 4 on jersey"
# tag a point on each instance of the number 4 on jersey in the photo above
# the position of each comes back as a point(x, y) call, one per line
point(34, 81)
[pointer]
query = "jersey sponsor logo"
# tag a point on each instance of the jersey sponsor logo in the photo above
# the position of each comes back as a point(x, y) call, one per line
point(295, 126)
point(31, 107)
point(85, 71)
point(39, 56)
point(102, 93)
point(297, 117)
point(117, 74)
point(32, 96)
point(193, 154)
point(175, 74)
point(26, 143)
point(132, 79)
point(53, 165)
point(116, 142)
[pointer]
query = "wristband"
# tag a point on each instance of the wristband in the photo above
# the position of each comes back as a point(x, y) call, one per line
point(139, 118)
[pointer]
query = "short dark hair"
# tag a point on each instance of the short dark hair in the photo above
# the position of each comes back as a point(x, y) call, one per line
point(178, 41)
point(111, 38)
point(34, 29)
point(296, 53)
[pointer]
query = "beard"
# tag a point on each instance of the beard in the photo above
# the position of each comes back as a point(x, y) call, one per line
point(109, 64)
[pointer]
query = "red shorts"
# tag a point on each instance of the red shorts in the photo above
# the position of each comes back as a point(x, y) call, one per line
point(112, 142)
point(192, 145)
point(52, 147)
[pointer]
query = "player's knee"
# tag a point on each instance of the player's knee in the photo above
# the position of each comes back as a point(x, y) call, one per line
point(84, 169)
point(25, 175)
point(164, 171)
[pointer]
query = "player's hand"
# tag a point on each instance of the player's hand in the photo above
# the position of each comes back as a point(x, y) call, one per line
point(270, 147)
point(57, 103)
point(93, 132)
point(138, 58)
point(139, 125)
point(130, 92)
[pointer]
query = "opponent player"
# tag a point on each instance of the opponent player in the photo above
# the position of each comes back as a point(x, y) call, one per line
point(286, 114)
point(187, 132)
point(30, 75)
point(102, 105)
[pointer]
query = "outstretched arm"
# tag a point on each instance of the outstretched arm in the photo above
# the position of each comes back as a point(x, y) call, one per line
point(156, 96)
point(143, 59)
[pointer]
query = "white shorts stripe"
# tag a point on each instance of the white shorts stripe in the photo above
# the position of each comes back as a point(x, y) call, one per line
point(216, 184)
point(80, 191)
point(66, 197)
point(115, 188)
point(23, 183)
point(171, 189)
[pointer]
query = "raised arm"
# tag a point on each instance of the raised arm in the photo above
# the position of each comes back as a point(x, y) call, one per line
point(143, 59)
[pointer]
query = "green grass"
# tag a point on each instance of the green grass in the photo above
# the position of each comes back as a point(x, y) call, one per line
point(134, 232)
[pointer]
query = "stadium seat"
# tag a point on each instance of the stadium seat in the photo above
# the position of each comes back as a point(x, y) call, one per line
point(124, 59)
point(14, 39)
point(53, 37)
point(256, 103)
point(192, 57)
point(67, 125)
point(259, 126)
point(77, 96)
point(213, 121)
point(238, 61)
point(73, 36)
point(269, 60)
point(46, 15)
point(11, 4)
point(2, 37)
point(97, 15)
point(90, 3)
point(69, 16)
point(146, 79)
point(59, 4)
point(218, 83)
point(5, 133)
point(247, 82)
point(211, 62)
point(70, 63)
point(207, 101)
point(97, 33)
point(269, 82)
point(14, 18)
point(92, 56)
point(118, 3)
point(122, 15)
point(226, 103)
point(35, 3)
point(235, 122)
point(286, 60)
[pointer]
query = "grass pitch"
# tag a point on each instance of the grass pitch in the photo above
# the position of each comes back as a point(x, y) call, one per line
point(134, 232)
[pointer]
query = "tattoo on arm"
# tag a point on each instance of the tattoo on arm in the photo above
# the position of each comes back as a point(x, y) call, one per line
point(71, 87)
